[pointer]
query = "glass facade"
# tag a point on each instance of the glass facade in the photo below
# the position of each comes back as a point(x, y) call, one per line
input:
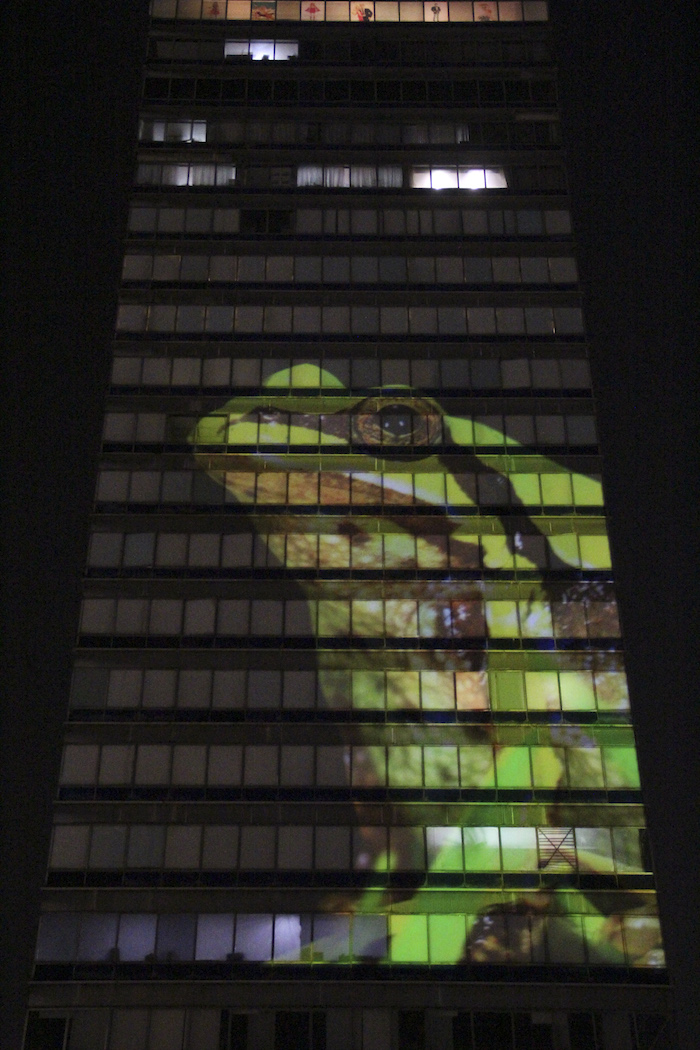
point(349, 699)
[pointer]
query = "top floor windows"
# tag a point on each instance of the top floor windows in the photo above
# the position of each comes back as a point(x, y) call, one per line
point(354, 10)
point(259, 50)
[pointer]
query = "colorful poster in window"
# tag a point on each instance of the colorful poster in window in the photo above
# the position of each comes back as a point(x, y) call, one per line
point(214, 9)
point(313, 11)
point(263, 11)
point(485, 12)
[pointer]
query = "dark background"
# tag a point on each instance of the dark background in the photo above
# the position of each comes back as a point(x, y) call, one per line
point(627, 70)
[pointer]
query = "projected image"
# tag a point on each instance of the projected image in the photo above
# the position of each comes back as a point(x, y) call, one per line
point(407, 526)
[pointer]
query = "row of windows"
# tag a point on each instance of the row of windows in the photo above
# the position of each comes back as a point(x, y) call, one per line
point(331, 222)
point(300, 550)
point(474, 93)
point(390, 425)
point(343, 133)
point(363, 11)
point(330, 176)
point(343, 269)
point(160, 688)
point(432, 48)
point(449, 374)
point(340, 848)
point(352, 320)
point(257, 50)
point(340, 618)
point(307, 488)
point(444, 766)
point(542, 178)
point(215, 1029)
point(438, 939)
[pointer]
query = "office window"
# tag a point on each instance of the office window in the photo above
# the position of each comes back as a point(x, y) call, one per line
point(258, 50)
point(448, 177)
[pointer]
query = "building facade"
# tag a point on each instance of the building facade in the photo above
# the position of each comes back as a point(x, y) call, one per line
point(349, 760)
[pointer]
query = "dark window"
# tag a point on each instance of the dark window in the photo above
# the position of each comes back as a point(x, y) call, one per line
point(494, 134)
point(514, 51)
point(291, 1030)
point(651, 1032)
point(411, 1030)
point(361, 51)
point(491, 91)
point(253, 221)
point(337, 90)
point(582, 1032)
point(259, 90)
point(310, 90)
point(182, 88)
point(280, 221)
point(286, 91)
point(462, 1032)
point(388, 91)
point(533, 1035)
point(492, 1031)
point(465, 91)
point(233, 1034)
point(543, 91)
point(45, 1033)
point(155, 88)
point(313, 50)
point(413, 91)
point(233, 90)
point(362, 91)
point(208, 90)
point(440, 91)
point(517, 91)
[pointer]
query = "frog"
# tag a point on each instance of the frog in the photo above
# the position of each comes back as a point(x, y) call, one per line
point(410, 484)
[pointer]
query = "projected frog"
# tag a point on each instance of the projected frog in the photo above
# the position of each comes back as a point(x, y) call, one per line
point(408, 451)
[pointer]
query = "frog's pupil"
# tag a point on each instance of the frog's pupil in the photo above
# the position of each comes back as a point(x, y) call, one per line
point(396, 422)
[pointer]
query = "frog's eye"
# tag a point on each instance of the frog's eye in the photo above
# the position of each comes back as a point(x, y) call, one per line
point(400, 422)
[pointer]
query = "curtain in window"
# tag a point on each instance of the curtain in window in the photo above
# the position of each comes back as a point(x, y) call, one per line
point(201, 175)
point(336, 175)
point(415, 134)
point(225, 174)
point(148, 175)
point(363, 176)
point(389, 176)
point(309, 175)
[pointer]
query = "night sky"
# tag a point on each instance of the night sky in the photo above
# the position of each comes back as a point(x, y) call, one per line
point(626, 70)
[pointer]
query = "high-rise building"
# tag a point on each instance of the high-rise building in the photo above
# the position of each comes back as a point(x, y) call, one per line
point(349, 761)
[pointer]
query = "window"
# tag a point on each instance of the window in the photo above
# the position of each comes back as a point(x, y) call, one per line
point(259, 50)
point(344, 176)
point(448, 177)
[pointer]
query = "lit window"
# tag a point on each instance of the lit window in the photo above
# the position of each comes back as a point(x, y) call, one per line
point(271, 50)
point(448, 177)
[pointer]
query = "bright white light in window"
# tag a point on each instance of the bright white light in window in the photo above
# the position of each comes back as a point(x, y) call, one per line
point(260, 49)
point(462, 178)
point(471, 179)
point(444, 179)
point(273, 51)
